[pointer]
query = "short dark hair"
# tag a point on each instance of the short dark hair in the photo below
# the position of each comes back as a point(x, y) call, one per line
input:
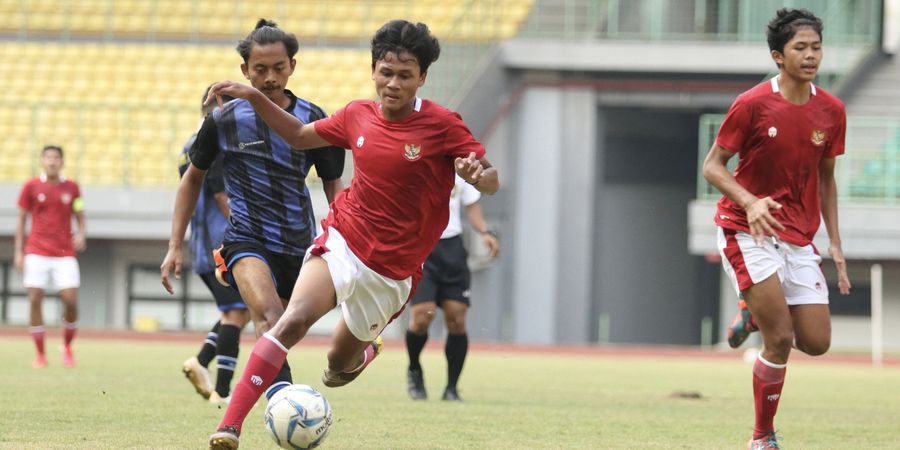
point(784, 26)
point(398, 35)
point(267, 32)
point(52, 147)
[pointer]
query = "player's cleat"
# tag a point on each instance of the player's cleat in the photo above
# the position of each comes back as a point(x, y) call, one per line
point(451, 395)
point(767, 441)
point(68, 358)
point(217, 399)
point(332, 378)
point(221, 267)
point(198, 376)
point(40, 361)
point(741, 326)
point(226, 438)
point(415, 385)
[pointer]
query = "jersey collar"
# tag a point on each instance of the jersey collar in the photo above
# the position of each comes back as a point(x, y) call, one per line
point(776, 89)
point(44, 178)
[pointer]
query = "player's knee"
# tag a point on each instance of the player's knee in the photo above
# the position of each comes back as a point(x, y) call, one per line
point(456, 325)
point(815, 347)
point(780, 341)
point(421, 320)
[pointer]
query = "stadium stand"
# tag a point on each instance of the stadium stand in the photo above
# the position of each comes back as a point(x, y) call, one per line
point(117, 82)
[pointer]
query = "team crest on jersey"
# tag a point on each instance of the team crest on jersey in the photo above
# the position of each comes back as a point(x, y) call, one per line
point(66, 198)
point(360, 141)
point(412, 152)
point(818, 137)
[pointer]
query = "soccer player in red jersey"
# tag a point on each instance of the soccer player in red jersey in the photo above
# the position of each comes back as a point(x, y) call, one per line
point(406, 152)
point(787, 133)
point(49, 253)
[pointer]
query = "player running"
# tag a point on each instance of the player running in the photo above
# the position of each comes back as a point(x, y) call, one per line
point(406, 152)
point(787, 133)
point(271, 217)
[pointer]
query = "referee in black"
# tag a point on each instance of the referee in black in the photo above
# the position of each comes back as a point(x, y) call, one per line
point(445, 283)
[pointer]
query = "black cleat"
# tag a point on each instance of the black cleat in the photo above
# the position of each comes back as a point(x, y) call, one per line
point(415, 385)
point(451, 395)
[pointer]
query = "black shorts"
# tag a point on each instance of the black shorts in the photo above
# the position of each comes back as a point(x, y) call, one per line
point(226, 297)
point(445, 275)
point(284, 268)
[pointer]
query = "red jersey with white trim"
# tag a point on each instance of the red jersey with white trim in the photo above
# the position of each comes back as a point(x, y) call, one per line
point(780, 145)
point(395, 209)
point(51, 206)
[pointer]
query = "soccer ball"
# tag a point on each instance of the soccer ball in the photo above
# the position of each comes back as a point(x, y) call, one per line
point(298, 417)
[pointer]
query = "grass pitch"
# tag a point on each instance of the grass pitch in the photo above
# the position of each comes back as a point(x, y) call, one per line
point(132, 395)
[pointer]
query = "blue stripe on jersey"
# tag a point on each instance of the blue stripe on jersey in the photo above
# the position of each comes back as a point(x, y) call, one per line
point(265, 180)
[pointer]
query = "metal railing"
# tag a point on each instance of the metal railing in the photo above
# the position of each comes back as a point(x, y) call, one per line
point(848, 22)
point(867, 173)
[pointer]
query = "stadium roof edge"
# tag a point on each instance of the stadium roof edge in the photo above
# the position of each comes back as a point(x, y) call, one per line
point(658, 57)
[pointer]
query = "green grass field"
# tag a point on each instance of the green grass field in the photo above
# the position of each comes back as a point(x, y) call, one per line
point(129, 394)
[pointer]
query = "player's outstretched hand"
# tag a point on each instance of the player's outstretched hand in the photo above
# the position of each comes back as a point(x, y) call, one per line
point(172, 260)
point(841, 265)
point(761, 221)
point(227, 87)
point(469, 168)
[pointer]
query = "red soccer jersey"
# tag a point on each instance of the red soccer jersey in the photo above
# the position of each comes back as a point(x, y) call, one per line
point(780, 145)
point(50, 206)
point(395, 209)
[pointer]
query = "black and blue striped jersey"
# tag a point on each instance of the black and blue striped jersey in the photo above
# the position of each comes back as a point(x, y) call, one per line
point(264, 178)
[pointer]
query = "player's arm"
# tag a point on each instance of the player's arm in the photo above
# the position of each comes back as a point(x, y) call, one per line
point(331, 188)
point(479, 173)
point(761, 221)
point(202, 154)
point(828, 203)
point(476, 219)
point(20, 240)
point(79, 241)
point(297, 134)
point(185, 202)
point(222, 203)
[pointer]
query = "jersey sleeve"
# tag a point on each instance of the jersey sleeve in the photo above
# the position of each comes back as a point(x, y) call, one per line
point(25, 200)
point(459, 141)
point(836, 144)
point(205, 148)
point(329, 161)
point(735, 129)
point(334, 129)
point(468, 194)
point(215, 180)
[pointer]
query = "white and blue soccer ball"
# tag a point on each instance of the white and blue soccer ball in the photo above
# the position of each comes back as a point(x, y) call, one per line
point(298, 417)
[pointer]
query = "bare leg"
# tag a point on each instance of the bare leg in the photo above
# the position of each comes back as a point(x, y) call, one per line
point(36, 302)
point(812, 328)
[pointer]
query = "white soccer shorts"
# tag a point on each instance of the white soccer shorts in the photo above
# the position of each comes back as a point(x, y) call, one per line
point(40, 270)
point(369, 301)
point(798, 268)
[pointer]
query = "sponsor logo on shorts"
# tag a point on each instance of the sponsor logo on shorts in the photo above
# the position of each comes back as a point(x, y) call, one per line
point(818, 286)
point(256, 380)
point(373, 327)
point(466, 293)
point(412, 152)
